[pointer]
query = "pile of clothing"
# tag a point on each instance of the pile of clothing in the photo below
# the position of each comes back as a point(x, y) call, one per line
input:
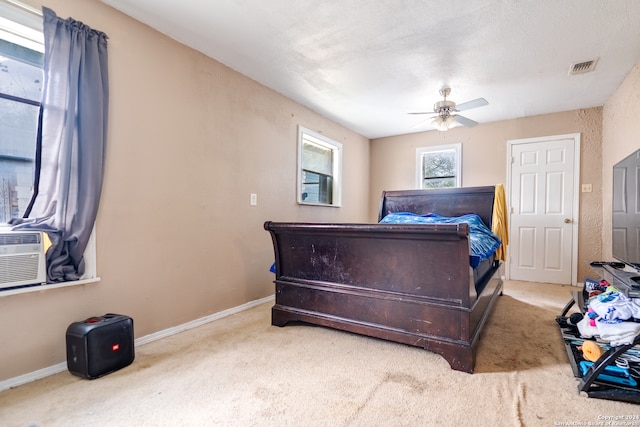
point(610, 315)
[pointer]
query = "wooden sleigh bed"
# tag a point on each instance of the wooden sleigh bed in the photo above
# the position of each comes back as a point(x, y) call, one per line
point(411, 284)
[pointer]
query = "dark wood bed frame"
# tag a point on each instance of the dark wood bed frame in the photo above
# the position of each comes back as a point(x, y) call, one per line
point(411, 284)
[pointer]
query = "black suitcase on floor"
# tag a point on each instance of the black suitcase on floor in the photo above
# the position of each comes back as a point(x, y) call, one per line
point(100, 345)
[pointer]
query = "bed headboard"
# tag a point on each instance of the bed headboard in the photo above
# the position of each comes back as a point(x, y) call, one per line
point(446, 202)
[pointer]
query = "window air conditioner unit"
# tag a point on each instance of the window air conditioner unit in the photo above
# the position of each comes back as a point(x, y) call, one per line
point(22, 258)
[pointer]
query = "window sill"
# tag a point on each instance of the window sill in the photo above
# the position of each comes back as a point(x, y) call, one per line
point(42, 288)
point(328, 205)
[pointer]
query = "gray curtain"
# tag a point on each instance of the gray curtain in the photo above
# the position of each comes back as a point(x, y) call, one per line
point(71, 143)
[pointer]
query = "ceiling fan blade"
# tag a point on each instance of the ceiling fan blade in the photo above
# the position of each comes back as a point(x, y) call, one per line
point(422, 122)
point(465, 121)
point(475, 103)
point(424, 112)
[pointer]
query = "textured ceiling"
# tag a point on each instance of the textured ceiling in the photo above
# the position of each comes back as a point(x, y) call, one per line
point(367, 63)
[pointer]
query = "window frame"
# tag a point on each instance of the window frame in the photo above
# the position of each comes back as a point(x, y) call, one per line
point(420, 153)
point(318, 139)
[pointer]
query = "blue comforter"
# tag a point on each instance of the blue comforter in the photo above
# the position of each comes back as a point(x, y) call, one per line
point(483, 241)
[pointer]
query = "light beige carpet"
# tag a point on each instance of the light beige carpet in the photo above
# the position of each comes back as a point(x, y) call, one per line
point(241, 371)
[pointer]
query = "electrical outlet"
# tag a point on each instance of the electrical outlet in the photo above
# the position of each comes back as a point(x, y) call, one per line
point(586, 188)
point(253, 200)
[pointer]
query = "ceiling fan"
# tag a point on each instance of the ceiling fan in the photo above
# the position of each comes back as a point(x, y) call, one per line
point(444, 111)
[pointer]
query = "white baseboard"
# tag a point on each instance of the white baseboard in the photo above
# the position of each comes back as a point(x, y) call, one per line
point(201, 321)
point(57, 368)
point(32, 376)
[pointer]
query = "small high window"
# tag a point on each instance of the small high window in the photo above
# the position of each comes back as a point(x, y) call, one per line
point(319, 168)
point(438, 166)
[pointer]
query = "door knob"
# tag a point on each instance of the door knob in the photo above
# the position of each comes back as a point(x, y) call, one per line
point(567, 221)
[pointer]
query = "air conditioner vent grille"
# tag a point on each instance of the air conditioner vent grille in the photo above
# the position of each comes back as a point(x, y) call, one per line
point(583, 67)
point(22, 259)
point(19, 268)
point(19, 239)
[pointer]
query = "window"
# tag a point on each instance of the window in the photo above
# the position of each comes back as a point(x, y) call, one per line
point(438, 166)
point(21, 56)
point(319, 168)
point(21, 82)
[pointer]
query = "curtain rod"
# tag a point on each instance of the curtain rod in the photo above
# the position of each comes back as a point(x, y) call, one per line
point(23, 6)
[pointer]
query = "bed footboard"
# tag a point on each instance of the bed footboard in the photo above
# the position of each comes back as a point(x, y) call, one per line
point(403, 283)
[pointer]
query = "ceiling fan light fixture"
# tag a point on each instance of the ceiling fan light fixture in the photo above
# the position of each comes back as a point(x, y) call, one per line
point(451, 122)
point(439, 124)
point(443, 123)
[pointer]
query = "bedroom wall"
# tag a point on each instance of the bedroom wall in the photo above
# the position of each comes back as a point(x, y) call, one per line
point(484, 162)
point(188, 141)
point(621, 137)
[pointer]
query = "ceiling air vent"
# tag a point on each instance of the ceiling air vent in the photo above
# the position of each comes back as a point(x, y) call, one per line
point(583, 67)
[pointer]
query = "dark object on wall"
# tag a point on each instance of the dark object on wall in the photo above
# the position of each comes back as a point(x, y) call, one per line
point(411, 284)
point(625, 214)
point(100, 345)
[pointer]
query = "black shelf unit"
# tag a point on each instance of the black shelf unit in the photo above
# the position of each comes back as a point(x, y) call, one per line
point(591, 382)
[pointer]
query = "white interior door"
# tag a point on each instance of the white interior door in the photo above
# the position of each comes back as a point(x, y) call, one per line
point(543, 209)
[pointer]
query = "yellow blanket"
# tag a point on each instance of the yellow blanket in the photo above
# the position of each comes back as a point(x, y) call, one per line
point(499, 221)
